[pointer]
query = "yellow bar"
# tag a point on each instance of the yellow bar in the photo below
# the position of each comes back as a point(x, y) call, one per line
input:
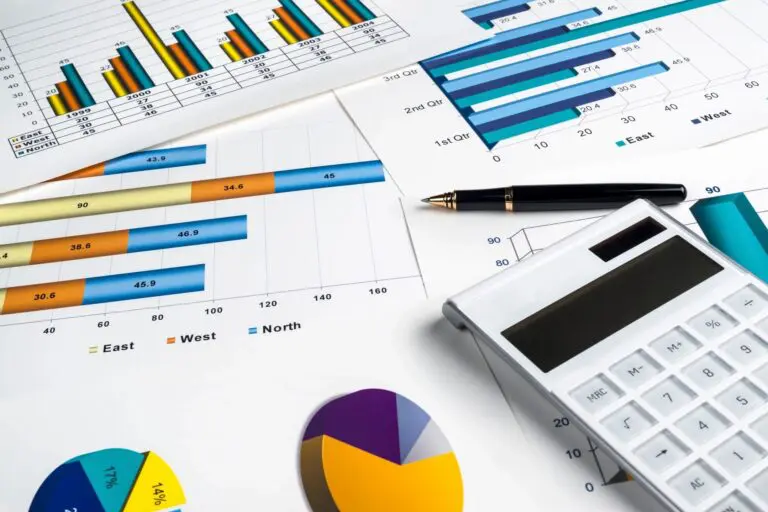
point(283, 31)
point(95, 204)
point(2, 300)
point(231, 51)
point(154, 40)
point(16, 255)
point(114, 83)
point(57, 104)
point(335, 13)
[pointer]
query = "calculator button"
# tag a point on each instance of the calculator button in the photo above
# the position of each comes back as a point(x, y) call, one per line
point(761, 374)
point(597, 393)
point(738, 454)
point(708, 371)
point(736, 502)
point(746, 348)
point(703, 424)
point(669, 396)
point(697, 482)
point(662, 451)
point(712, 323)
point(675, 345)
point(629, 422)
point(748, 302)
point(759, 485)
point(761, 427)
point(742, 398)
point(636, 369)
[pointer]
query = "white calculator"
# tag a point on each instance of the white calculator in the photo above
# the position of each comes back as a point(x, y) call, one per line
point(653, 342)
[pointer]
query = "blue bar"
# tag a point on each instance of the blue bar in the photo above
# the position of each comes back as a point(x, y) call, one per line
point(192, 50)
point(489, 52)
point(545, 110)
point(156, 159)
point(493, 8)
point(140, 285)
point(302, 18)
point(81, 91)
point(135, 67)
point(565, 93)
point(485, 21)
point(185, 234)
point(244, 30)
point(361, 9)
point(329, 176)
point(517, 33)
point(731, 224)
point(534, 73)
point(537, 62)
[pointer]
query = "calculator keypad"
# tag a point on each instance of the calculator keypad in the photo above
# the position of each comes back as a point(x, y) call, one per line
point(692, 405)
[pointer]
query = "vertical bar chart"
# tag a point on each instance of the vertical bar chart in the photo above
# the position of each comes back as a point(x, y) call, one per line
point(71, 94)
point(731, 224)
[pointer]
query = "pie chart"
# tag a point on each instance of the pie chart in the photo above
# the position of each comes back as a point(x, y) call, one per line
point(112, 480)
point(376, 451)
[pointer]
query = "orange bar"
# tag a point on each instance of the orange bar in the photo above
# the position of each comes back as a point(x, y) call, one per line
point(183, 58)
point(37, 297)
point(240, 43)
point(79, 247)
point(124, 74)
point(292, 23)
point(70, 100)
point(229, 188)
point(348, 11)
point(86, 172)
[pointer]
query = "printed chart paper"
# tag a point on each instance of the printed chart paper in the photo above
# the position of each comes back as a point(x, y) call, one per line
point(561, 82)
point(83, 81)
point(728, 209)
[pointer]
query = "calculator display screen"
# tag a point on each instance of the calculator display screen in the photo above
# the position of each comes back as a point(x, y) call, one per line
point(590, 314)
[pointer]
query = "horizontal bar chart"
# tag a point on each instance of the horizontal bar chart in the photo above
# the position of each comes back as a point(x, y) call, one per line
point(731, 224)
point(193, 192)
point(104, 289)
point(488, 116)
point(143, 161)
point(128, 241)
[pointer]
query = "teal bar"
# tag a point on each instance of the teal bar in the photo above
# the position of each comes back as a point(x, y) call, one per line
point(78, 86)
point(581, 32)
point(731, 224)
point(250, 37)
point(533, 124)
point(312, 29)
point(563, 74)
point(487, 25)
point(361, 9)
point(192, 50)
point(135, 67)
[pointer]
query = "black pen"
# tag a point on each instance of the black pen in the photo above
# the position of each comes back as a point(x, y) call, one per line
point(532, 198)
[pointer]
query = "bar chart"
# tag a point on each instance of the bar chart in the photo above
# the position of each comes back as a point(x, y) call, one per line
point(561, 78)
point(158, 57)
point(260, 220)
point(474, 90)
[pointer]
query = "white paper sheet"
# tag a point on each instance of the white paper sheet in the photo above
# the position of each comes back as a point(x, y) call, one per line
point(705, 73)
point(41, 41)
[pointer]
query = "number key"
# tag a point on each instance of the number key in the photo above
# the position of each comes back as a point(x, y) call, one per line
point(746, 348)
point(703, 424)
point(738, 454)
point(742, 398)
point(736, 502)
point(669, 396)
point(708, 371)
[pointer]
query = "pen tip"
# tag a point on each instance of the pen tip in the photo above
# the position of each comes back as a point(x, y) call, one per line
point(425, 200)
